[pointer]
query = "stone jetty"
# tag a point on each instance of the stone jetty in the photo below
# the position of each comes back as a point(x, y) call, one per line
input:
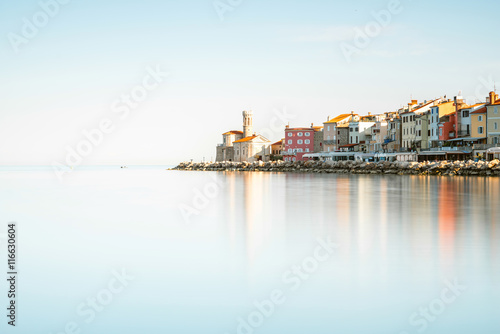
point(444, 168)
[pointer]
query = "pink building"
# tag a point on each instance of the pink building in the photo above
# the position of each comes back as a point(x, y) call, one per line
point(447, 127)
point(298, 141)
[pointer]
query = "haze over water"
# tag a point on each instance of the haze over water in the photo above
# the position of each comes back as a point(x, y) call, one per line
point(401, 240)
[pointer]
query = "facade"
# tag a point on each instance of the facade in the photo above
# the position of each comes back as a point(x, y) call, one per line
point(436, 113)
point(394, 134)
point(493, 119)
point(409, 122)
point(244, 145)
point(225, 151)
point(318, 138)
point(422, 130)
point(277, 147)
point(464, 120)
point(298, 141)
point(478, 123)
point(331, 140)
point(358, 133)
point(447, 127)
point(252, 148)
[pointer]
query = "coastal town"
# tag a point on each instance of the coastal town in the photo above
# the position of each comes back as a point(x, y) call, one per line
point(441, 129)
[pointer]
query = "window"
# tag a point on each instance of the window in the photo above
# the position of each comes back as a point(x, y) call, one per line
point(307, 141)
point(466, 113)
point(441, 131)
point(429, 133)
point(289, 142)
point(307, 150)
point(357, 129)
point(356, 139)
point(495, 140)
point(328, 128)
point(289, 134)
point(495, 110)
point(308, 134)
point(495, 126)
point(300, 134)
point(299, 141)
point(480, 118)
point(351, 130)
point(328, 149)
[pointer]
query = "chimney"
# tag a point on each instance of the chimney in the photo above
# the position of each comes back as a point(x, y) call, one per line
point(369, 113)
point(312, 125)
point(328, 118)
point(492, 98)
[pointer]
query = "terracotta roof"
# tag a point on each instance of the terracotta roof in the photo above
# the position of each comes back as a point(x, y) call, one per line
point(245, 139)
point(340, 118)
point(278, 143)
point(497, 102)
point(234, 132)
point(479, 111)
point(346, 125)
point(299, 129)
point(349, 145)
point(317, 128)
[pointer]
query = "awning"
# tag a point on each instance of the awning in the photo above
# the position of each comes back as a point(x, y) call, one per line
point(466, 139)
point(432, 153)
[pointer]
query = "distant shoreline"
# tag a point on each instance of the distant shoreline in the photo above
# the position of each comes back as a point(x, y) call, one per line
point(440, 168)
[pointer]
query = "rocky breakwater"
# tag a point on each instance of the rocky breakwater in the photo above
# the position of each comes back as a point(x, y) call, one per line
point(444, 168)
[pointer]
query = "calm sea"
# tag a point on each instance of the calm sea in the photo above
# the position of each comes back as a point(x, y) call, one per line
point(146, 250)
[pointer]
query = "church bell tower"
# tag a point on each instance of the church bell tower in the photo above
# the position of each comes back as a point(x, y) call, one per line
point(247, 124)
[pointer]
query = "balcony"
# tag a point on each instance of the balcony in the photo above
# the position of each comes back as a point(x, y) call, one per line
point(485, 146)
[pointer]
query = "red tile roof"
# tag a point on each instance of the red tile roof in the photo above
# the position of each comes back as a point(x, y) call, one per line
point(479, 111)
point(234, 132)
point(245, 139)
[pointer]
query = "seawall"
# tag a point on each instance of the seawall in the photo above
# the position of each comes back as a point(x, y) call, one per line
point(443, 168)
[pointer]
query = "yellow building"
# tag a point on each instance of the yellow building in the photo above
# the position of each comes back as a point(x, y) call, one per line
point(493, 119)
point(478, 124)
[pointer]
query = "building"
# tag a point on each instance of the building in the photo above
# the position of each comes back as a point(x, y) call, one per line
point(422, 130)
point(244, 145)
point(493, 119)
point(478, 124)
point(442, 109)
point(358, 132)
point(277, 148)
point(392, 142)
point(447, 127)
point(378, 135)
point(298, 141)
point(252, 148)
point(464, 119)
point(225, 151)
point(409, 122)
point(331, 140)
point(318, 138)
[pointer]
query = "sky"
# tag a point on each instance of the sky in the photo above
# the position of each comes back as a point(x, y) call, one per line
point(194, 66)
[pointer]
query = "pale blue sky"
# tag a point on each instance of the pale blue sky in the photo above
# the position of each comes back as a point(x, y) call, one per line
point(263, 56)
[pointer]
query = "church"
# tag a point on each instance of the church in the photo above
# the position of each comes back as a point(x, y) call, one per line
point(240, 146)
